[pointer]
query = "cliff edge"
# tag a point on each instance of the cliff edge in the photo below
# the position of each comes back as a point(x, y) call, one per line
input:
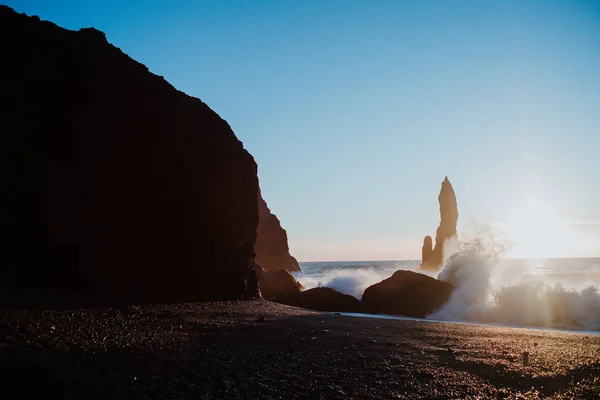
point(113, 182)
point(272, 250)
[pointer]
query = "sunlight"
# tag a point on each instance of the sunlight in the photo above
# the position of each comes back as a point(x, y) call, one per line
point(535, 230)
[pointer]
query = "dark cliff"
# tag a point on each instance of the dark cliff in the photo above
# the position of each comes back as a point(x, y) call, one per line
point(112, 181)
point(433, 258)
point(272, 251)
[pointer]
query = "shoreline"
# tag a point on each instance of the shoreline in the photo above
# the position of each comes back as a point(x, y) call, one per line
point(258, 349)
point(491, 324)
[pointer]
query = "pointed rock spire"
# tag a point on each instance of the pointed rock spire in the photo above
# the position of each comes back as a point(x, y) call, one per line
point(434, 258)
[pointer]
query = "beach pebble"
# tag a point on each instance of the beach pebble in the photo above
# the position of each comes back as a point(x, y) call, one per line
point(525, 357)
point(425, 375)
point(337, 389)
point(396, 360)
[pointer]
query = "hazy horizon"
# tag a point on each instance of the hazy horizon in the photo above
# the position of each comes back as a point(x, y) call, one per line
point(419, 259)
point(355, 111)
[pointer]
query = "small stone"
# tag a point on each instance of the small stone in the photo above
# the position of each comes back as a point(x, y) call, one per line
point(396, 360)
point(525, 357)
point(425, 375)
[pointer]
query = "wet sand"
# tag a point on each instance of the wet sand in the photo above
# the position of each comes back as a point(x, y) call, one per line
point(263, 350)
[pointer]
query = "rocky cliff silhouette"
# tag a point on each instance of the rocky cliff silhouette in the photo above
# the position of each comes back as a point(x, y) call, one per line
point(272, 251)
point(433, 258)
point(112, 181)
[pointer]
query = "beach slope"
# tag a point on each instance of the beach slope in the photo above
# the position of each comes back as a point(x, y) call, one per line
point(262, 350)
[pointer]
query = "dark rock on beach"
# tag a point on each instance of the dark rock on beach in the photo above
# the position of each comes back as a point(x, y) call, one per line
point(113, 182)
point(276, 283)
point(406, 293)
point(433, 258)
point(323, 299)
point(272, 251)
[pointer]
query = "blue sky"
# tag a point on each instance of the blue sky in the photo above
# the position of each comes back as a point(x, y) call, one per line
point(356, 110)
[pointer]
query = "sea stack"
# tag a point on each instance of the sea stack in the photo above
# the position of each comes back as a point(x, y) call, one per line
point(272, 250)
point(114, 183)
point(433, 258)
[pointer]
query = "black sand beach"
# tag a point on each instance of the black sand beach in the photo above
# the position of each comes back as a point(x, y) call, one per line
point(262, 350)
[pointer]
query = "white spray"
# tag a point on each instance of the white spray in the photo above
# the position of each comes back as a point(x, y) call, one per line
point(352, 282)
point(476, 298)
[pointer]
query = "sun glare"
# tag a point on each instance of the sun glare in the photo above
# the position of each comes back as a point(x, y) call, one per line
point(536, 230)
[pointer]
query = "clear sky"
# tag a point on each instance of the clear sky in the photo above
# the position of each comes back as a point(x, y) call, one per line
point(356, 110)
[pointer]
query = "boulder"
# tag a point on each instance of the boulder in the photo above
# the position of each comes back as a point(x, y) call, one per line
point(323, 299)
point(406, 293)
point(433, 259)
point(276, 283)
point(272, 250)
point(114, 183)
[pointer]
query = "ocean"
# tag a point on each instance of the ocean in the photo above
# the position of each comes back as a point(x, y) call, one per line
point(550, 293)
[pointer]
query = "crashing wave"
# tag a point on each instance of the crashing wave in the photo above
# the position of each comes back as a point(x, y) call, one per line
point(477, 299)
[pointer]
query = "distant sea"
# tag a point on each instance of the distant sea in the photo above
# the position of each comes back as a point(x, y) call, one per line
point(556, 293)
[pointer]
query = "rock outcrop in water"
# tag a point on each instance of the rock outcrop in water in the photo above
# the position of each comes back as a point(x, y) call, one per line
point(406, 293)
point(272, 250)
point(323, 299)
point(113, 182)
point(427, 249)
point(433, 258)
point(276, 283)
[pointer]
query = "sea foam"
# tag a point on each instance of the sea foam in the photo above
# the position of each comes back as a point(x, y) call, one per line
point(349, 281)
point(485, 294)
